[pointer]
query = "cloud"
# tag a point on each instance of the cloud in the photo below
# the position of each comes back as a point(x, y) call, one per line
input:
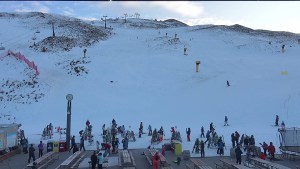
point(31, 7)
point(68, 11)
point(208, 20)
point(183, 9)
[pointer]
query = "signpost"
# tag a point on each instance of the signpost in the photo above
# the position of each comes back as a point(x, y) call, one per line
point(69, 97)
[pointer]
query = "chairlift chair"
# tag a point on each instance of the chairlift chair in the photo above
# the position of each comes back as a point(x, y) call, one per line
point(37, 31)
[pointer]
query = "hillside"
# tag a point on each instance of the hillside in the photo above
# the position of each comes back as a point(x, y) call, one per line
point(137, 72)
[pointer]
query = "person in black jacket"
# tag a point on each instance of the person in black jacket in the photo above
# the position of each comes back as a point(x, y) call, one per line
point(94, 160)
point(31, 153)
point(75, 149)
point(72, 143)
point(238, 155)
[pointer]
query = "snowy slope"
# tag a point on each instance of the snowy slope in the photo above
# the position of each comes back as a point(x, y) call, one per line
point(138, 74)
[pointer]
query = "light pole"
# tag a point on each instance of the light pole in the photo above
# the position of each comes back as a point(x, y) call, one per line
point(69, 97)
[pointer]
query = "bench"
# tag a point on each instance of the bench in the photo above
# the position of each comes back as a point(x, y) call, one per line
point(119, 160)
point(264, 163)
point(40, 161)
point(77, 162)
point(126, 157)
point(167, 167)
point(231, 164)
point(50, 160)
point(9, 154)
point(148, 159)
point(289, 155)
point(188, 166)
point(218, 166)
point(70, 160)
point(132, 159)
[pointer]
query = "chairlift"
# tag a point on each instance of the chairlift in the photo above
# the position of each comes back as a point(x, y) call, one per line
point(37, 31)
point(1, 47)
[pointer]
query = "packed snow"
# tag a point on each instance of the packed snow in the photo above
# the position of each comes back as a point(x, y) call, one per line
point(137, 72)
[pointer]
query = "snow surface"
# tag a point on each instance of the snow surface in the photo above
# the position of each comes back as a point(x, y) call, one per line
point(139, 75)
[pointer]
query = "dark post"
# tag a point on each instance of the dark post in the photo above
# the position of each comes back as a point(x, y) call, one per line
point(69, 97)
point(53, 29)
point(105, 21)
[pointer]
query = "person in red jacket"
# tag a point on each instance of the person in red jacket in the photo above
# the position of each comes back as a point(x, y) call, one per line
point(156, 161)
point(262, 156)
point(271, 150)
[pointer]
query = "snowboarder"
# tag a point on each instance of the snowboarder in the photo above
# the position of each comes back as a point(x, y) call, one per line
point(226, 121)
point(276, 120)
point(188, 132)
point(228, 83)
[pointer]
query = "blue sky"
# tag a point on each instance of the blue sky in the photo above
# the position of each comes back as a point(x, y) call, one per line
point(276, 15)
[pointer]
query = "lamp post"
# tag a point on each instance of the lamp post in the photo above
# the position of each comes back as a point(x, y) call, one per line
point(69, 97)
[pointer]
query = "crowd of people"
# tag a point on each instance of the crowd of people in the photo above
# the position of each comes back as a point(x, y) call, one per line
point(110, 143)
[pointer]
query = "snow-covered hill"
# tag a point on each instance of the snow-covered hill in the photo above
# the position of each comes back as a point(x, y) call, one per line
point(137, 72)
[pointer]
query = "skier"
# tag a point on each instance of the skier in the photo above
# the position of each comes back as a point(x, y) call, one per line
point(188, 132)
point(202, 132)
point(276, 120)
point(228, 84)
point(226, 121)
